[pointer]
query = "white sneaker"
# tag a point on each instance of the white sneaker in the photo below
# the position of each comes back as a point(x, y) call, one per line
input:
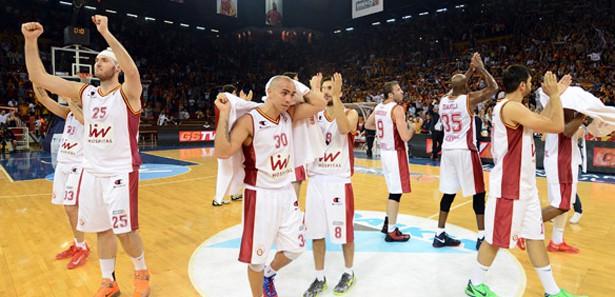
point(576, 217)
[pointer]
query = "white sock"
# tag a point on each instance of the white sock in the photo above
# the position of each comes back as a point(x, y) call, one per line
point(107, 267)
point(139, 262)
point(558, 235)
point(80, 245)
point(481, 234)
point(440, 231)
point(546, 278)
point(391, 228)
point(320, 275)
point(478, 274)
point(349, 270)
point(269, 272)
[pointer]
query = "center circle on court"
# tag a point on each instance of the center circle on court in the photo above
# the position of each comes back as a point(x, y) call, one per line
point(381, 268)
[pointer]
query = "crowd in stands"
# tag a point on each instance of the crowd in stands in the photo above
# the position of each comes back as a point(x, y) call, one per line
point(183, 72)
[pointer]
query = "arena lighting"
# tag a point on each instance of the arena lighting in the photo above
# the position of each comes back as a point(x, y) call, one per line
point(391, 21)
point(168, 22)
point(66, 3)
point(200, 28)
point(215, 30)
point(424, 13)
point(184, 25)
point(150, 19)
point(110, 11)
point(442, 10)
point(350, 29)
point(132, 15)
point(375, 23)
point(406, 17)
point(338, 31)
point(90, 7)
point(460, 6)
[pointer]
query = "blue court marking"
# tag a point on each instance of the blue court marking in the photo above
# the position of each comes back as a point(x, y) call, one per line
point(36, 165)
point(372, 241)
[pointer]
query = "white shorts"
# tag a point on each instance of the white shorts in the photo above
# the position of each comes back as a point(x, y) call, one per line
point(329, 208)
point(109, 202)
point(66, 180)
point(562, 195)
point(461, 169)
point(396, 171)
point(507, 220)
point(270, 216)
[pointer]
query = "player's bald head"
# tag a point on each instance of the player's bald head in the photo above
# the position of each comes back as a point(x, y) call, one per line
point(459, 80)
point(281, 81)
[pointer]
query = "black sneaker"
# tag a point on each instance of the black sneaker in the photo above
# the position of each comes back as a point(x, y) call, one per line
point(478, 242)
point(316, 288)
point(396, 236)
point(443, 240)
point(344, 285)
point(385, 227)
point(236, 197)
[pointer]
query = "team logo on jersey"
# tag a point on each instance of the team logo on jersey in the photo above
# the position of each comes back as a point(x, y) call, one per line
point(119, 183)
point(279, 163)
point(99, 134)
point(68, 146)
point(329, 157)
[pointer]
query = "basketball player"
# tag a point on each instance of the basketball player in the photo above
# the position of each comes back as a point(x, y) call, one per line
point(561, 163)
point(389, 121)
point(330, 200)
point(300, 175)
point(220, 186)
point(460, 167)
point(111, 159)
point(67, 173)
point(271, 210)
point(513, 208)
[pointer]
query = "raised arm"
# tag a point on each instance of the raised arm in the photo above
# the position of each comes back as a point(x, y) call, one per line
point(399, 117)
point(552, 122)
point(36, 71)
point(492, 86)
point(229, 141)
point(572, 126)
point(132, 87)
point(314, 101)
point(346, 120)
point(51, 105)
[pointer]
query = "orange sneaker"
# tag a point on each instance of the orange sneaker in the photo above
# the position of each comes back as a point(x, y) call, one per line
point(68, 253)
point(108, 288)
point(562, 247)
point(142, 288)
point(79, 258)
point(521, 244)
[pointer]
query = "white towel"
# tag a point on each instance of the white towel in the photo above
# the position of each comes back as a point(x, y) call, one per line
point(230, 171)
point(577, 99)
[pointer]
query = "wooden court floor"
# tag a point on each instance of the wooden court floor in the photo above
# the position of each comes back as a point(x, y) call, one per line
point(176, 216)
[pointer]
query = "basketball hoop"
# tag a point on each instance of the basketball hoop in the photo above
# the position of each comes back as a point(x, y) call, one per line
point(85, 77)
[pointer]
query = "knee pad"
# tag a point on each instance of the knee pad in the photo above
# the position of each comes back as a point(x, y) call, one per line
point(256, 267)
point(446, 202)
point(479, 203)
point(395, 197)
point(291, 256)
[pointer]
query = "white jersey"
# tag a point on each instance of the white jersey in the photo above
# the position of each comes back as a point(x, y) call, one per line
point(514, 155)
point(386, 129)
point(338, 159)
point(70, 150)
point(268, 159)
point(562, 158)
point(458, 123)
point(111, 132)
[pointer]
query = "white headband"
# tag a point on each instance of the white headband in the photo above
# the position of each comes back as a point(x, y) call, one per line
point(108, 53)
